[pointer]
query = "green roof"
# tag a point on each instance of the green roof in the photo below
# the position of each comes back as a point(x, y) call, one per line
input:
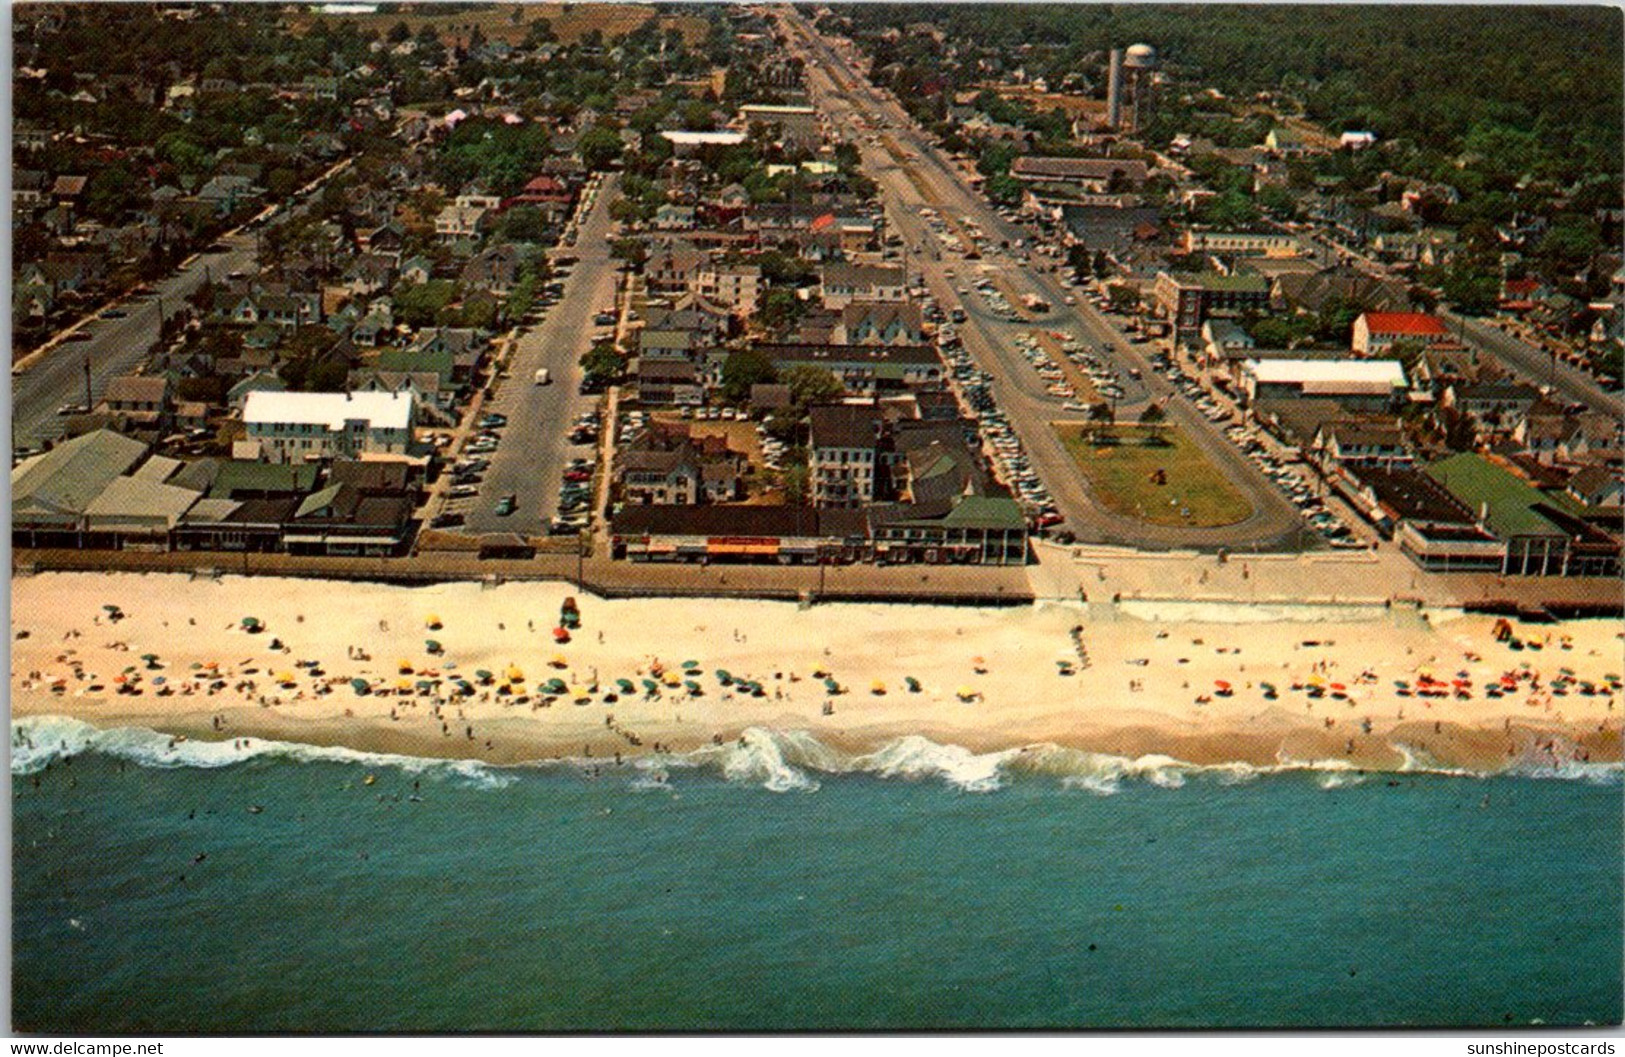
point(424, 361)
point(246, 476)
point(978, 512)
point(1510, 500)
point(1244, 283)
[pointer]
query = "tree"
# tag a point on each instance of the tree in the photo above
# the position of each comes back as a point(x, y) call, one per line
point(399, 33)
point(813, 385)
point(1153, 415)
point(781, 309)
point(1102, 412)
point(599, 148)
point(743, 369)
point(797, 484)
point(602, 364)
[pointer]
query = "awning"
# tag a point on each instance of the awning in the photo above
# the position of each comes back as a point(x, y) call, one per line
point(744, 548)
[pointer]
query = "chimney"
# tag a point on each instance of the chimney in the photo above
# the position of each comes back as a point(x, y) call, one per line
point(1114, 89)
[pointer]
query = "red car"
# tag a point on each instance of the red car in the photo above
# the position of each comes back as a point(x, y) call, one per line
point(578, 475)
point(1046, 520)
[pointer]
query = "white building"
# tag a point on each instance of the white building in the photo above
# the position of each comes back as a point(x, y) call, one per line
point(1352, 383)
point(1251, 243)
point(302, 427)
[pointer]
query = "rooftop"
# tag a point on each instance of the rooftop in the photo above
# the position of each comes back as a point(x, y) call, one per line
point(1326, 374)
point(332, 410)
point(1509, 501)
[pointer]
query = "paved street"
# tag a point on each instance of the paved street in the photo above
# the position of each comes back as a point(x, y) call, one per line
point(56, 376)
point(1017, 388)
point(530, 460)
point(1572, 384)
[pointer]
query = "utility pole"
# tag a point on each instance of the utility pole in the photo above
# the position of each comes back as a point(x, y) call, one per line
point(87, 381)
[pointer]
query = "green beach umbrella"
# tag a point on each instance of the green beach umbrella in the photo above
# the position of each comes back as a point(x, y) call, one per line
point(360, 686)
point(483, 675)
point(651, 686)
point(692, 687)
point(432, 645)
point(724, 676)
point(912, 683)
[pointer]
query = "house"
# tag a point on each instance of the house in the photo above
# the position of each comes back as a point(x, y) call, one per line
point(841, 283)
point(1494, 406)
point(1362, 441)
point(140, 399)
point(673, 267)
point(294, 427)
point(672, 217)
point(669, 381)
point(1285, 143)
point(879, 323)
point(1376, 332)
point(432, 403)
point(1315, 291)
point(545, 192)
point(734, 285)
point(496, 269)
point(1599, 487)
point(460, 220)
point(227, 194)
point(369, 273)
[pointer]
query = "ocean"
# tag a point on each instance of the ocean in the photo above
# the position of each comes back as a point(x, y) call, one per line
point(777, 885)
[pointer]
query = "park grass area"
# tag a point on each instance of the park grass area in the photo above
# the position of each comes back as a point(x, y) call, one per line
point(570, 22)
point(1122, 464)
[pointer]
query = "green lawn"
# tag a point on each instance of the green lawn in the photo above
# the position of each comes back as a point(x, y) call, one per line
point(1121, 475)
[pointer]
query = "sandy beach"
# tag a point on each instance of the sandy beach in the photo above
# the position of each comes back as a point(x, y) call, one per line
point(1373, 689)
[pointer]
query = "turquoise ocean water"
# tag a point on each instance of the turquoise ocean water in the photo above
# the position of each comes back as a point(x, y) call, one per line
point(778, 886)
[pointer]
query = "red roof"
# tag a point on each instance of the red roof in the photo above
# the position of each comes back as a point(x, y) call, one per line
point(823, 223)
point(1404, 323)
point(1522, 287)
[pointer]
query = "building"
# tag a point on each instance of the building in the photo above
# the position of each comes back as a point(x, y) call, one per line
point(1376, 332)
point(797, 126)
point(1374, 385)
point(783, 535)
point(1243, 243)
point(1544, 534)
point(864, 370)
point(844, 454)
point(1189, 299)
point(294, 427)
point(1090, 175)
point(842, 283)
point(1431, 526)
point(963, 530)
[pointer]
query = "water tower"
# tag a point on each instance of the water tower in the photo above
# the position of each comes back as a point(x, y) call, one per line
point(1139, 61)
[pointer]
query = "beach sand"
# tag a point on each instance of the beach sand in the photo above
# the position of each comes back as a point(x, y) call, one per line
point(1148, 687)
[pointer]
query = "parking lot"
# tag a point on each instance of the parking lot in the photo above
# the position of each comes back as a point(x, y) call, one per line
point(522, 468)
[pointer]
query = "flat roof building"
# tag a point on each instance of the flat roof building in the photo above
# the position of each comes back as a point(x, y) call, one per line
point(294, 427)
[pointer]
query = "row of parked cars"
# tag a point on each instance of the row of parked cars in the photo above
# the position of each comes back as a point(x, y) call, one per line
point(998, 440)
point(1296, 487)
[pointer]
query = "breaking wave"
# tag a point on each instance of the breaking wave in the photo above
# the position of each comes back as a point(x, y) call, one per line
point(778, 761)
point(39, 741)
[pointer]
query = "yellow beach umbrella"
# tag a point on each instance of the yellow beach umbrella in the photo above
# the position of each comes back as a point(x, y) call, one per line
point(877, 687)
point(286, 678)
point(515, 675)
point(404, 665)
point(579, 693)
point(671, 679)
point(967, 694)
point(432, 622)
point(404, 686)
point(559, 661)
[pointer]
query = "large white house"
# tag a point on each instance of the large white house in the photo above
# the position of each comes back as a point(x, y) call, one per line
point(303, 427)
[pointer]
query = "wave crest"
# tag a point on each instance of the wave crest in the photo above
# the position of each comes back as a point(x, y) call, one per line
point(779, 761)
